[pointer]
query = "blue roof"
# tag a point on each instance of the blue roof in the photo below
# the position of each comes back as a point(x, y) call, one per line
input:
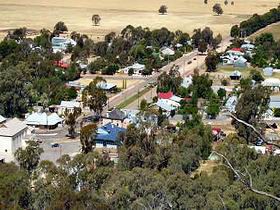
point(109, 132)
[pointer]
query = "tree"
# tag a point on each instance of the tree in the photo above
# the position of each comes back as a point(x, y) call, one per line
point(94, 97)
point(216, 41)
point(70, 120)
point(256, 76)
point(235, 31)
point(252, 104)
point(60, 27)
point(98, 65)
point(96, 19)
point(205, 1)
point(87, 137)
point(130, 72)
point(202, 46)
point(222, 93)
point(29, 157)
point(213, 107)
point(163, 9)
point(226, 2)
point(111, 69)
point(232, 3)
point(211, 61)
point(218, 9)
point(143, 105)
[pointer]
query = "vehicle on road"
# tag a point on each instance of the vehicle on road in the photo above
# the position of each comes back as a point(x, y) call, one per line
point(39, 141)
point(194, 59)
point(189, 62)
point(53, 145)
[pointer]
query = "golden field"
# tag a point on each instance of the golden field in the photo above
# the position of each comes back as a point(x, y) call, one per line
point(116, 14)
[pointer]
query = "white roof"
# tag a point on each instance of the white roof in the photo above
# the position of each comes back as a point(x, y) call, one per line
point(105, 85)
point(271, 82)
point(176, 98)
point(2, 119)
point(187, 82)
point(236, 73)
point(69, 104)
point(136, 66)
point(167, 51)
point(12, 127)
point(43, 119)
point(241, 59)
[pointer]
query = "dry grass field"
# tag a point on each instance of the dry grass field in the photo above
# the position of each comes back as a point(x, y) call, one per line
point(274, 29)
point(116, 14)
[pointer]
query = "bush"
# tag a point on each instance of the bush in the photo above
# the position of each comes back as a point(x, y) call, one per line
point(224, 82)
point(130, 72)
point(111, 69)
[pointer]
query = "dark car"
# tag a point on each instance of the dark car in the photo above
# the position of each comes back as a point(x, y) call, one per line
point(189, 62)
point(194, 59)
point(53, 145)
point(259, 142)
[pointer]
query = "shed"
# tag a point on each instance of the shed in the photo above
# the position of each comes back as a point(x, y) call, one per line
point(241, 62)
point(235, 75)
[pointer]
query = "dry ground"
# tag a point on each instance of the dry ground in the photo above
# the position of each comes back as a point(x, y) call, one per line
point(274, 29)
point(116, 14)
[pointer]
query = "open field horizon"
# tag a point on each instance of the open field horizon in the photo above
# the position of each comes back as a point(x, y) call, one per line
point(185, 15)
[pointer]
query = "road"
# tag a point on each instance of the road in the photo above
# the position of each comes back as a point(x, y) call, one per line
point(184, 68)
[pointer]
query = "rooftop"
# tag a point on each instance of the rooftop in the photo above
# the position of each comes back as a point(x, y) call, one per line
point(12, 127)
point(109, 132)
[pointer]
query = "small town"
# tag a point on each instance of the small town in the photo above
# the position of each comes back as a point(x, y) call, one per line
point(140, 117)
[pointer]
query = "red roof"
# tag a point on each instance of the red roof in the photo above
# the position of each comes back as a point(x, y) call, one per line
point(62, 64)
point(236, 49)
point(167, 95)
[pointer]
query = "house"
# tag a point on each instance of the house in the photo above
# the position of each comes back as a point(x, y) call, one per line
point(167, 95)
point(273, 83)
point(108, 136)
point(76, 85)
point(235, 52)
point(107, 86)
point(2, 119)
point(231, 103)
point(69, 105)
point(274, 102)
point(12, 137)
point(167, 105)
point(42, 120)
point(235, 75)
point(247, 47)
point(166, 51)
point(240, 62)
point(137, 68)
point(187, 82)
point(115, 117)
point(60, 44)
point(268, 71)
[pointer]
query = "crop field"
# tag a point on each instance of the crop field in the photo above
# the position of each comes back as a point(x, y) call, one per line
point(116, 14)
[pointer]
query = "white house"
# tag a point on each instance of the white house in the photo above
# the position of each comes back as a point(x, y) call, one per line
point(2, 119)
point(137, 68)
point(166, 51)
point(43, 120)
point(69, 105)
point(60, 44)
point(12, 137)
point(231, 103)
point(187, 82)
point(273, 83)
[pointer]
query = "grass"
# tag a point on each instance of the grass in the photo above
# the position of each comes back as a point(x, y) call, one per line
point(274, 29)
point(133, 98)
point(227, 70)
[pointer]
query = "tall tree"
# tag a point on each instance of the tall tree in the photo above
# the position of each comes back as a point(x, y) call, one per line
point(217, 8)
point(96, 19)
point(29, 157)
point(87, 137)
point(163, 9)
point(71, 120)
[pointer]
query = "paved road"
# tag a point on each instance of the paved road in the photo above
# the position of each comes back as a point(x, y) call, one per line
point(184, 68)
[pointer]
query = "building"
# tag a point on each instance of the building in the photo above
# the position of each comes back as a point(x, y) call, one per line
point(107, 86)
point(108, 136)
point(235, 75)
point(69, 105)
point(167, 105)
point(137, 68)
point(240, 62)
point(42, 120)
point(274, 102)
point(273, 83)
point(166, 51)
point(247, 47)
point(2, 119)
point(187, 82)
point(60, 44)
point(12, 137)
point(115, 117)
point(268, 71)
point(231, 103)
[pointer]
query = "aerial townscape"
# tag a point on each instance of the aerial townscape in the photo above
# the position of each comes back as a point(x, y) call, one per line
point(129, 104)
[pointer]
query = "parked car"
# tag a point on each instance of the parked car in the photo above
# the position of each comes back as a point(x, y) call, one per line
point(39, 141)
point(53, 145)
point(189, 62)
point(259, 142)
point(194, 59)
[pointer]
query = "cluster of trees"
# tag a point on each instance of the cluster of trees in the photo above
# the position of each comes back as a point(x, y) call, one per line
point(255, 23)
point(136, 44)
point(28, 75)
point(267, 51)
point(202, 39)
